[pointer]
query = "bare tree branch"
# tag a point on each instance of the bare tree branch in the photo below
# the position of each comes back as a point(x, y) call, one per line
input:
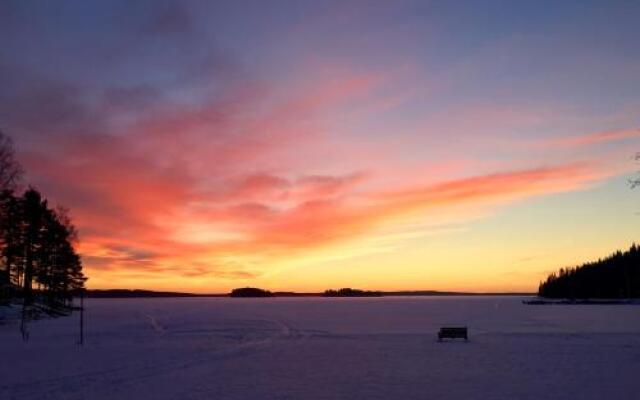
point(10, 171)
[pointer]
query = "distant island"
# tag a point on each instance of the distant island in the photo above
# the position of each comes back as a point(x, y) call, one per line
point(348, 292)
point(250, 292)
point(614, 277)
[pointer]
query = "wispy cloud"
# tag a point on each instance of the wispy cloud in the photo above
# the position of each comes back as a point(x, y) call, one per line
point(196, 144)
point(593, 138)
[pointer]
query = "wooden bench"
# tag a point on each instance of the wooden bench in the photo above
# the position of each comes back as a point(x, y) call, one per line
point(453, 333)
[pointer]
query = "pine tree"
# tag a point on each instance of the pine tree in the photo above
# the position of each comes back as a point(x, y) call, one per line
point(10, 237)
point(617, 276)
point(33, 207)
point(37, 243)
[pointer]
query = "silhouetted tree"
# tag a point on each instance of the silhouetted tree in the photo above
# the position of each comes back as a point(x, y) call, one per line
point(10, 237)
point(617, 276)
point(10, 170)
point(34, 208)
point(37, 252)
point(10, 175)
point(62, 274)
point(636, 181)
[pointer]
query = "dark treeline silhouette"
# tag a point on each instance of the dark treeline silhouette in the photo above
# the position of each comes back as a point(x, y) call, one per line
point(348, 292)
point(38, 261)
point(614, 277)
point(250, 292)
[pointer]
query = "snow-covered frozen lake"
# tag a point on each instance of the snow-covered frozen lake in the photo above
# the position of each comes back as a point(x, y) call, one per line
point(321, 348)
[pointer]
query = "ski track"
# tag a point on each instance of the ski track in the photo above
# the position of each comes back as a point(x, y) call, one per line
point(154, 323)
point(74, 384)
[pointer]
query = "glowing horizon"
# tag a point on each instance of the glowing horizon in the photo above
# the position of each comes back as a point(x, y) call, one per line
point(203, 146)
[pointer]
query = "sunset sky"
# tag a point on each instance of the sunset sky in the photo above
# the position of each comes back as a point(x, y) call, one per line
point(303, 145)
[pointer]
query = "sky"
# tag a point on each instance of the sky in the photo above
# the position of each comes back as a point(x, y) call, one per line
point(303, 145)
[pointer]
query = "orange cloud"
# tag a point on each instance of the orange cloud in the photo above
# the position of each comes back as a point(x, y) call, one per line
point(224, 189)
point(313, 223)
point(594, 138)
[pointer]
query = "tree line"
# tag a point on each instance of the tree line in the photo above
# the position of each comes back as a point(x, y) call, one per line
point(616, 276)
point(38, 259)
point(349, 292)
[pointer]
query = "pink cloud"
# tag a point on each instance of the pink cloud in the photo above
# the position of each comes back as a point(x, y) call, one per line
point(594, 138)
point(315, 223)
point(188, 190)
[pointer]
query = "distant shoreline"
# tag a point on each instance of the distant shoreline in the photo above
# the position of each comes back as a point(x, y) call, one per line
point(140, 293)
point(605, 302)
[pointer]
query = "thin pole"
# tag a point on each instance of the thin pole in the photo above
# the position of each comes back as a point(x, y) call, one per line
point(81, 317)
point(23, 324)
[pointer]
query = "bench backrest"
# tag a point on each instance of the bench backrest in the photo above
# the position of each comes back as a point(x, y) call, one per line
point(453, 331)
